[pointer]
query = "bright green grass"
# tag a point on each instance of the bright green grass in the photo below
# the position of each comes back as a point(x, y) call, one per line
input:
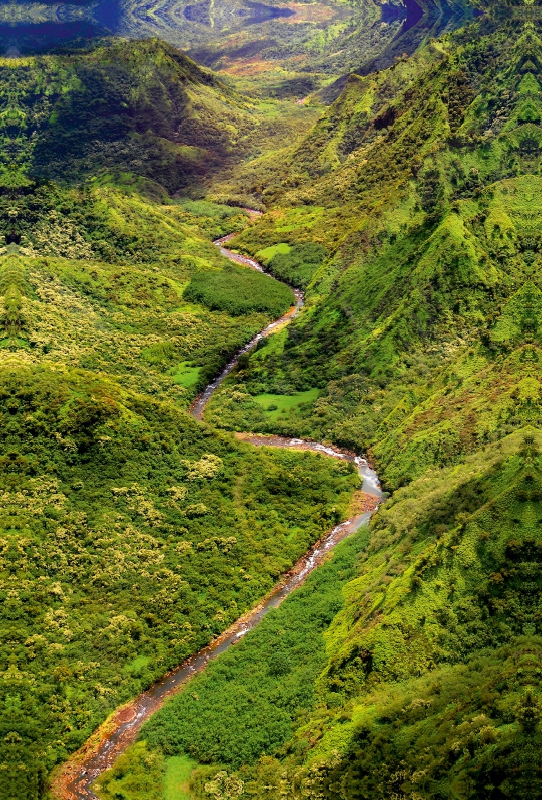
point(274, 345)
point(176, 777)
point(275, 404)
point(270, 109)
point(268, 252)
point(185, 375)
point(139, 663)
point(204, 208)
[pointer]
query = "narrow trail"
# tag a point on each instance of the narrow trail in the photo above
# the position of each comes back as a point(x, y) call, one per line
point(74, 779)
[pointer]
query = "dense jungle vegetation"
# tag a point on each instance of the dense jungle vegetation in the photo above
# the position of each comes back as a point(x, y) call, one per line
point(408, 666)
point(411, 214)
point(131, 533)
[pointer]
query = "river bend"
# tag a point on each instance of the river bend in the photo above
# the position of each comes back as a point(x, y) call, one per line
point(75, 778)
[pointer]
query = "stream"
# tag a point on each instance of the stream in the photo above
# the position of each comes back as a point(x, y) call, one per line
point(198, 406)
point(75, 778)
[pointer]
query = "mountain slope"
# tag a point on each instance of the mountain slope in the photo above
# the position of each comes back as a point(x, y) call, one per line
point(421, 342)
point(130, 534)
point(141, 108)
point(426, 264)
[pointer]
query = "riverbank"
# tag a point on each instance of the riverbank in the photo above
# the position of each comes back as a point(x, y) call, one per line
point(75, 778)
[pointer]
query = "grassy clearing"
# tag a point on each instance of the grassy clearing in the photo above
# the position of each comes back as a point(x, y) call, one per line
point(186, 375)
point(177, 777)
point(276, 404)
point(136, 666)
point(268, 252)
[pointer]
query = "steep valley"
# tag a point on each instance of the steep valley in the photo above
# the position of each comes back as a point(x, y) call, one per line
point(409, 215)
point(401, 198)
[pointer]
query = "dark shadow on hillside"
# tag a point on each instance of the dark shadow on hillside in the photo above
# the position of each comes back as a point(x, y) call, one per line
point(36, 27)
point(424, 19)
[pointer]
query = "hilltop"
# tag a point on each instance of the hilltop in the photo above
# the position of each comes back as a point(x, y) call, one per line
point(142, 108)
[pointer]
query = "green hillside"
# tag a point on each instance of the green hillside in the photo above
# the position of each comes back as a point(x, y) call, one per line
point(131, 534)
point(142, 108)
point(417, 318)
point(411, 214)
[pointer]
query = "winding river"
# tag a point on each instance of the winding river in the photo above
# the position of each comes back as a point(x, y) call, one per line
point(75, 778)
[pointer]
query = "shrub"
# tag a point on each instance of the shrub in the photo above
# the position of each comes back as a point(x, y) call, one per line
point(238, 290)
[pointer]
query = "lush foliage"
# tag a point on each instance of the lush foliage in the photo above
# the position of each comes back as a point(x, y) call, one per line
point(126, 316)
point(270, 673)
point(131, 534)
point(239, 291)
point(420, 342)
point(409, 665)
point(141, 108)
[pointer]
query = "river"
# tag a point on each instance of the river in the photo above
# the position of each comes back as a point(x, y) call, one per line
point(75, 779)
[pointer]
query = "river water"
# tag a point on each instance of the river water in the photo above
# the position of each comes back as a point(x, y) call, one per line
point(76, 777)
point(199, 404)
